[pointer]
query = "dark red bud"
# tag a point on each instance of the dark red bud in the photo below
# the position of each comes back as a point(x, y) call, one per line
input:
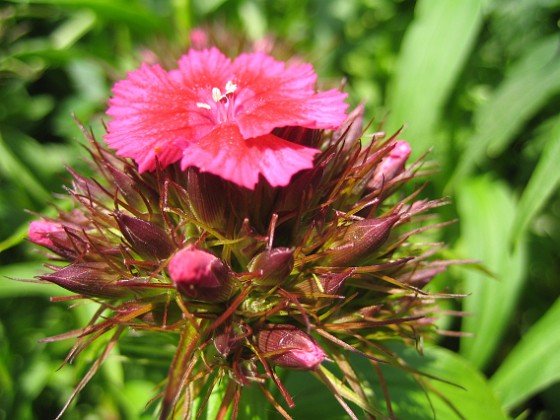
point(274, 266)
point(92, 279)
point(200, 275)
point(289, 347)
point(146, 238)
point(361, 239)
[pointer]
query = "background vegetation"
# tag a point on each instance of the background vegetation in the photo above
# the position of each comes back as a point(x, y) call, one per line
point(477, 81)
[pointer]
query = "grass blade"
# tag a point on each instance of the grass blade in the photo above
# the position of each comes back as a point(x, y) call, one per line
point(434, 50)
point(535, 79)
point(533, 364)
point(542, 184)
point(487, 210)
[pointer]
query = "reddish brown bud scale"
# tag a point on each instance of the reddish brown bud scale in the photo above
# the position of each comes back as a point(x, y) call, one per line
point(289, 347)
point(352, 128)
point(361, 239)
point(314, 288)
point(146, 238)
point(274, 266)
point(209, 208)
point(127, 187)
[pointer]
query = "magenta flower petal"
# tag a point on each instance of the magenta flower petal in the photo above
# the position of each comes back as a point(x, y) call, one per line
point(271, 95)
point(218, 115)
point(148, 119)
point(224, 152)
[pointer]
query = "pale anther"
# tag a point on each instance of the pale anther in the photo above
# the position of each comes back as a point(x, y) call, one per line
point(230, 87)
point(203, 105)
point(216, 94)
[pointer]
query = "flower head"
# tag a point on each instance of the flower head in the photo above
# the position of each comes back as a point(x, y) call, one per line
point(218, 115)
point(243, 275)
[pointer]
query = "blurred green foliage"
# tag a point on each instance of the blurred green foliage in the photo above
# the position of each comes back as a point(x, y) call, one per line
point(476, 81)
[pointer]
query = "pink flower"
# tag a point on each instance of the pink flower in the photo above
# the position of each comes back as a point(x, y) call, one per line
point(218, 115)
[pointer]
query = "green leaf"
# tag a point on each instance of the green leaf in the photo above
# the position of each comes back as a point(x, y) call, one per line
point(26, 271)
point(135, 15)
point(17, 172)
point(464, 387)
point(73, 29)
point(526, 88)
point(486, 213)
point(532, 365)
point(434, 49)
point(542, 184)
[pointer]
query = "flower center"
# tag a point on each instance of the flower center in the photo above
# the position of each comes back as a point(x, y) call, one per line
point(223, 103)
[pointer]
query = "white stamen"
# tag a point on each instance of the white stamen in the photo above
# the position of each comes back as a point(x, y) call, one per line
point(203, 105)
point(216, 94)
point(230, 87)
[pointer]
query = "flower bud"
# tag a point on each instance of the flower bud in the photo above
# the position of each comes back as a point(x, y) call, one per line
point(92, 279)
point(391, 166)
point(60, 239)
point(360, 239)
point(146, 238)
point(200, 275)
point(320, 287)
point(289, 347)
point(273, 266)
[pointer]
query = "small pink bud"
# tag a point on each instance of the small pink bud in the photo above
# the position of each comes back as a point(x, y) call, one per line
point(60, 239)
point(199, 39)
point(92, 279)
point(146, 238)
point(200, 275)
point(274, 266)
point(360, 240)
point(391, 165)
point(41, 230)
point(289, 347)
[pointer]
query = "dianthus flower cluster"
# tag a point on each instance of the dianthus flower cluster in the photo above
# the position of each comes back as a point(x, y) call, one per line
point(243, 214)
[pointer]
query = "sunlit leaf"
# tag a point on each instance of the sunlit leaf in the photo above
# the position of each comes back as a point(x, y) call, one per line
point(487, 211)
point(434, 49)
point(525, 89)
point(542, 184)
point(533, 364)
